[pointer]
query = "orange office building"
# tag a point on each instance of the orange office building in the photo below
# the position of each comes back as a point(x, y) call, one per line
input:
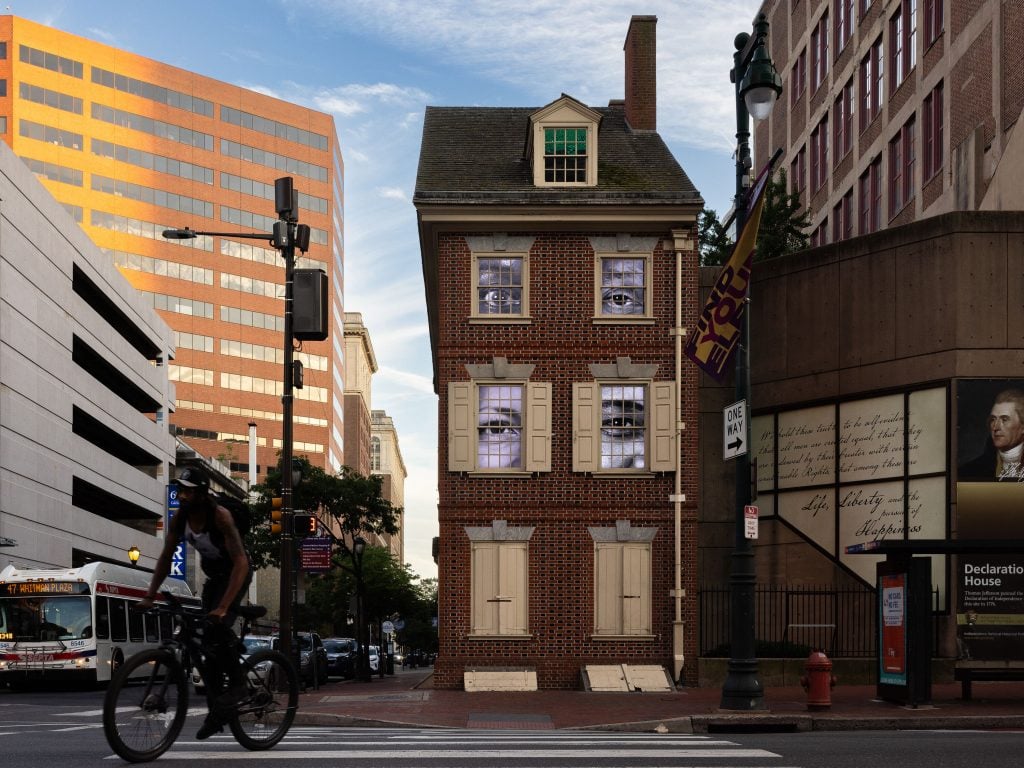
point(132, 147)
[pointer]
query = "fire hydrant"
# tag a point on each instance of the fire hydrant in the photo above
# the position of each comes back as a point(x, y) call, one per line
point(818, 681)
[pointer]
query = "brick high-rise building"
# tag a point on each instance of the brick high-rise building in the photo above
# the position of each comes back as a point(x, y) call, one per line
point(558, 244)
point(130, 147)
point(896, 110)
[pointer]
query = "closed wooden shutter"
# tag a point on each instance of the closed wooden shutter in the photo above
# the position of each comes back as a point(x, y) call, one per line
point(586, 421)
point(636, 589)
point(461, 442)
point(608, 589)
point(663, 433)
point(538, 426)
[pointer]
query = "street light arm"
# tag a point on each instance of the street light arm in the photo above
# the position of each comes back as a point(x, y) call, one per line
point(191, 234)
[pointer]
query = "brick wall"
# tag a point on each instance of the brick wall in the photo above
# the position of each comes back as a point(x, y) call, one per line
point(561, 341)
point(641, 80)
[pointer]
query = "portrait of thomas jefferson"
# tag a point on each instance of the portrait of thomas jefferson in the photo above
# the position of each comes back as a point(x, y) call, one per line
point(1000, 460)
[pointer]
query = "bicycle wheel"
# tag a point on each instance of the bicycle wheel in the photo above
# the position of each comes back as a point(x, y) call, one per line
point(264, 716)
point(145, 705)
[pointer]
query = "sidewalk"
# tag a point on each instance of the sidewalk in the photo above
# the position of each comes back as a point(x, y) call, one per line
point(407, 699)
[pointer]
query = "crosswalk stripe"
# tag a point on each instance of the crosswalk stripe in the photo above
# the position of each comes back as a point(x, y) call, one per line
point(464, 754)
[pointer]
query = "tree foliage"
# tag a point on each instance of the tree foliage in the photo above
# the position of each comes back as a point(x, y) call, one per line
point(347, 503)
point(782, 229)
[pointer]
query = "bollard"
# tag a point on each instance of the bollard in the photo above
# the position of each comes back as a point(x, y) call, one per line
point(818, 681)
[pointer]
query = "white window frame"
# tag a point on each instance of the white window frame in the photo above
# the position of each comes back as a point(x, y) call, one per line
point(599, 309)
point(524, 308)
point(463, 424)
point(565, 112)
point(661, 432)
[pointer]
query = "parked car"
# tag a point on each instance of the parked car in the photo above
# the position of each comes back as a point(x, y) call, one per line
point(312, 655)
point(374, 658)
point(341, 656)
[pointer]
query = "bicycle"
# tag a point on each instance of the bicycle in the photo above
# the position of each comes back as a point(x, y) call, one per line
point(143, 714)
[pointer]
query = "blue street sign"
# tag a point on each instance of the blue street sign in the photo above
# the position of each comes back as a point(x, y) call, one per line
point(179, 559)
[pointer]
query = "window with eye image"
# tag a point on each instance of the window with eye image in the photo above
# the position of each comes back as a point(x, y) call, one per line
point(499, 426)
point(623, 287)
point(623, 426)
point(499, 286)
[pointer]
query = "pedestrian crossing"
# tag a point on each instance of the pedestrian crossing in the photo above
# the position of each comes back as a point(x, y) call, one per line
point(509, 749)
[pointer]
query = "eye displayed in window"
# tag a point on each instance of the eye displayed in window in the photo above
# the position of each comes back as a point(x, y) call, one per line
point(499, 426)
point(623, 427)
point(500, 286)
point(622, 287)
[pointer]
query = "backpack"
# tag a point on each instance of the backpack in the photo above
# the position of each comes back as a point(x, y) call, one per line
point(239, 510)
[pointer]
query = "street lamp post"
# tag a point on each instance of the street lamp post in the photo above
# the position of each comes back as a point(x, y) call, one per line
point(757, 87)
point(358, 548)
point(288, 235)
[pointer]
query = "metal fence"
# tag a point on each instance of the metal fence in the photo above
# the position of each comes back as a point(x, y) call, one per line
point(790, 619)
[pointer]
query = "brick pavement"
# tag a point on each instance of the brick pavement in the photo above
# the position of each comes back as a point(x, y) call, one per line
point(407, 699)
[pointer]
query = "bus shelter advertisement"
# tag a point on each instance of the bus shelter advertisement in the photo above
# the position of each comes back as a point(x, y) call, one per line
point(893, 605)
point(990, 500)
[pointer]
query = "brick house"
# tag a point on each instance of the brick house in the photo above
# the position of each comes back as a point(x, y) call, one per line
point(560, 267)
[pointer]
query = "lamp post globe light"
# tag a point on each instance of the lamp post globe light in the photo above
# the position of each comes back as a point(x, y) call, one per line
point(287, 235)
point(758, 85)
point(134, 553)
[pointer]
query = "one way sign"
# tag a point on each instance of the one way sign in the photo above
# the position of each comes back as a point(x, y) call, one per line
point(734, 430)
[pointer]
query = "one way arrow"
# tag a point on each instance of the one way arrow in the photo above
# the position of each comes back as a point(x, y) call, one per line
point(735, 444)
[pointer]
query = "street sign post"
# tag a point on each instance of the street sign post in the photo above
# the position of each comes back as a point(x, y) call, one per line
point(734, 430)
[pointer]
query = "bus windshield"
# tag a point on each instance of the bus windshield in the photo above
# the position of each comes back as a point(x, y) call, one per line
point(41, 619)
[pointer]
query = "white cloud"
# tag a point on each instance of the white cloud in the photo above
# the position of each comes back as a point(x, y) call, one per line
point(393, 193)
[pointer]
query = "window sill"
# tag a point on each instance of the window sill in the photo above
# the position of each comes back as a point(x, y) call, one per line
point(481, 636)
point(623, 320)
point(500, 320)
point(620, 638)
point(621, 473)
point(500, 473)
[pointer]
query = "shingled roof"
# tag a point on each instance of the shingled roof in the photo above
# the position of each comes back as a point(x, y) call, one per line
point(475, 155)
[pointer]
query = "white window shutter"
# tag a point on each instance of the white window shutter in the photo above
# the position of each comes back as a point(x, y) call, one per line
point(636, 589)
point(538, 426)
point(608, 589)
point(461, 445)
point(586, 422)
point(484, 588)
point(663, 433)
point(513, 614)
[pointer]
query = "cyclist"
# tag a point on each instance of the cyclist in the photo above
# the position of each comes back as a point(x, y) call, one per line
point(211, 529)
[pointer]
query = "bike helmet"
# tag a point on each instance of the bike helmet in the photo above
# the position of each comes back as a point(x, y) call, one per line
point(194, 477)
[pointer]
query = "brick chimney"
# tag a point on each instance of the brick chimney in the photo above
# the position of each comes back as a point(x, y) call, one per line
point(641, 80)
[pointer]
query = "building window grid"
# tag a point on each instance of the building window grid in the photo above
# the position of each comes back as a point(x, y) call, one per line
point(622, 287)
point(565, 155)
point(819, 155)
point(903, 41)
point(901, 168)
point(50, 61)
point(931, 133)
point(843, 23)
point(933, 20)
point(273, 128)
point(157, 128)
point(157, 93)
point(152, 162)
point(872, 84)
point(245, 284)
point(147, 229)
point(240, 316)
point(195, 341)
point(49, 134)
point(152, 196)
point(819, 52)
point(179, 304)
point(161, 267)
point(798, 77)
point(39, 95)
point(272, 160)
point(842, 218)
point(843, 122)
point(54, 172)
point(500, 289)
point(266, 191)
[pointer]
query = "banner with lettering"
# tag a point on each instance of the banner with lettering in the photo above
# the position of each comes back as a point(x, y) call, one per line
point(717, 334)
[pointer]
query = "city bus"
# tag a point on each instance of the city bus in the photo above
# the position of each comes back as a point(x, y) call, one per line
point(75, 623)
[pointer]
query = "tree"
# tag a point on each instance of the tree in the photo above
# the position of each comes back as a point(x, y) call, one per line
point(713, 243)
point(781, 231)
point(347, 503)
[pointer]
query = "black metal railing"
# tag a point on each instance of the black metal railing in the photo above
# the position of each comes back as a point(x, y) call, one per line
point(793, 620)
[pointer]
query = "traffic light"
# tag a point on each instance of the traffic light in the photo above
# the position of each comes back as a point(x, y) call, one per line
point(276, 516)
point(304, 525)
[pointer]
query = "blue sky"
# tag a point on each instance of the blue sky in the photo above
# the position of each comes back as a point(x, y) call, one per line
point(375, 65)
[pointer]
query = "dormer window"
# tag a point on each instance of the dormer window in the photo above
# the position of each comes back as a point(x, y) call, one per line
point(565, 155)
point(562, 146)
